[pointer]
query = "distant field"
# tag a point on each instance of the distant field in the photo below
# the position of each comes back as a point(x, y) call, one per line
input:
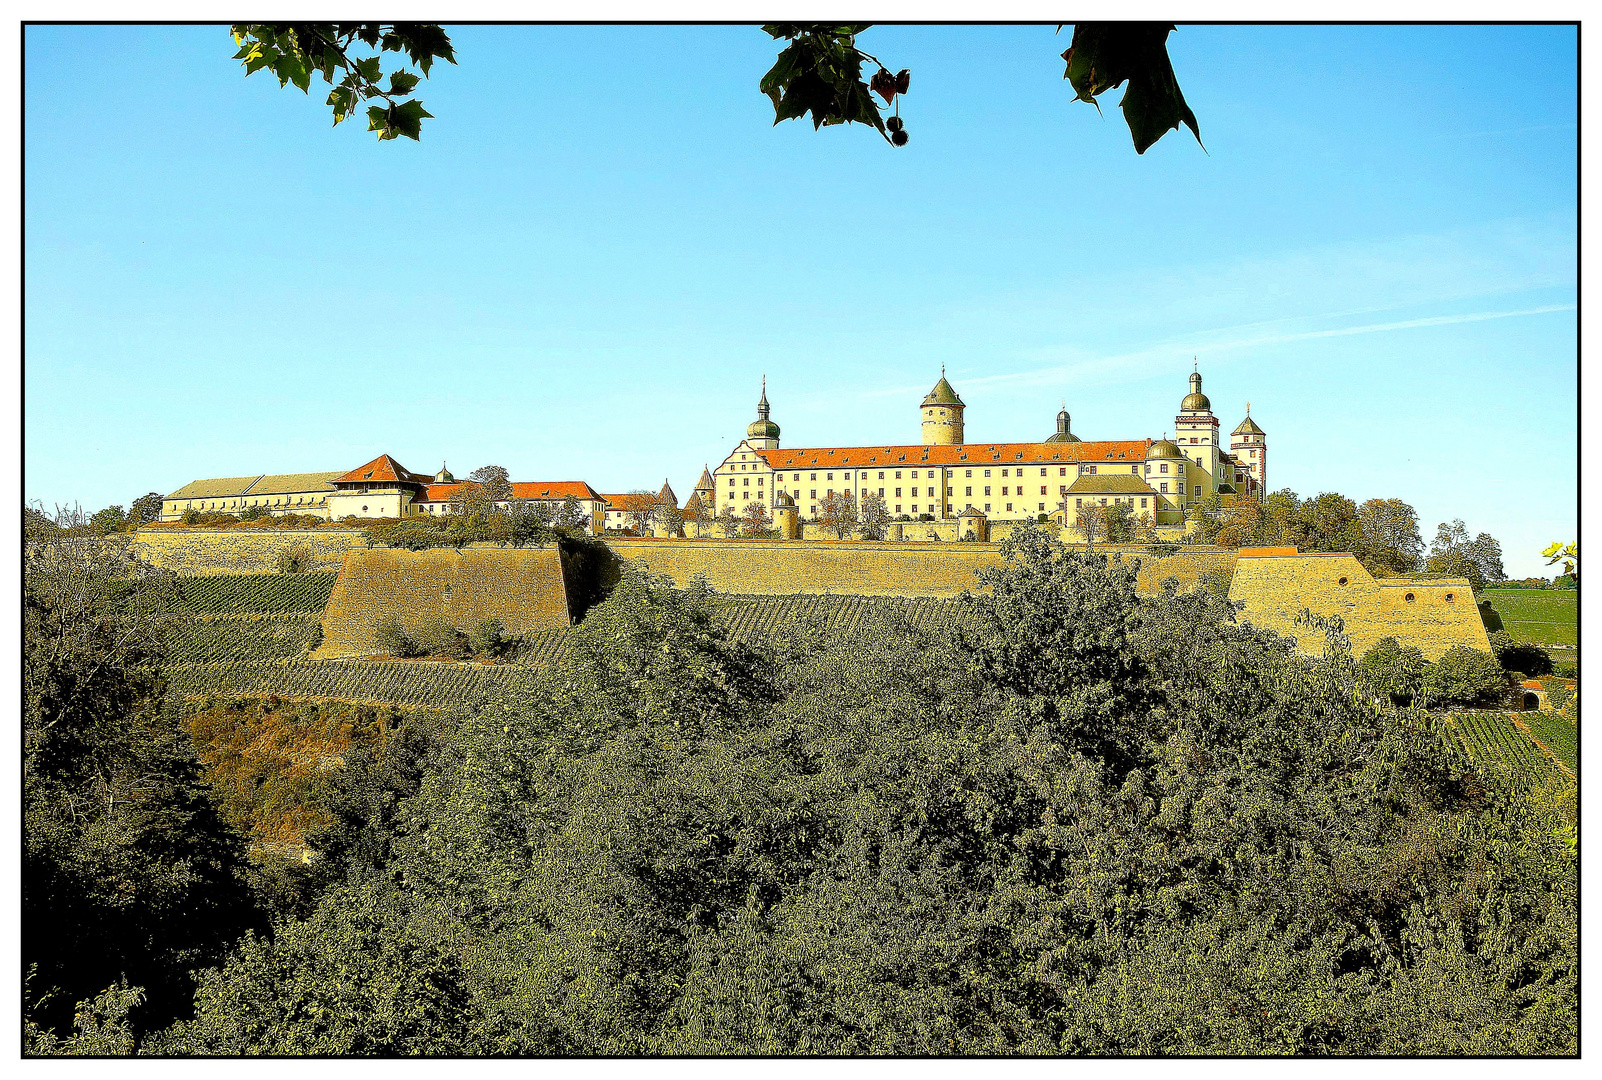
point(1493, 738)
point(1541, 616)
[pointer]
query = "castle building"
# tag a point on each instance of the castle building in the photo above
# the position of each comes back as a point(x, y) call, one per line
point(382, 488)
point(1160, 479)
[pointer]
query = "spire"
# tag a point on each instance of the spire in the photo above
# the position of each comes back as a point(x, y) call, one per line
point(762, 406)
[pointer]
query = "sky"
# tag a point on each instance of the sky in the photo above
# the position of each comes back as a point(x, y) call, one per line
point(602, 243)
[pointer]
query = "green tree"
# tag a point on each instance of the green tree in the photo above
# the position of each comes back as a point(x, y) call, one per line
point(111, 519)
point(1388, 542)
point(128, 872)
point(146, 509)
point(1454, 554)
point(874, 518)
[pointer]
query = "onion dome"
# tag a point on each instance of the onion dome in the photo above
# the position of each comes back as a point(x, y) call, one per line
point(1063, 434)
point(444, 475)
point(1195, 401)
point(763, 428)
point(1162, 448)
point(942, 394)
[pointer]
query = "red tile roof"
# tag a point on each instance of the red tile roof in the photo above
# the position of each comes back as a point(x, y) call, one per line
point(383, 469)
point(859, 457)
point(533, 489)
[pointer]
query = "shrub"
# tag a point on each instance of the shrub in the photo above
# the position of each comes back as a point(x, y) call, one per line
point(489, 638)
point(436, 637)
point(295, 559)
point(1463, 676)
point(1520, 656)
point(1566, 669)
point(1391, 671)
point(393, 640)
point(190, 516)
point(255, 513)
point(314, 639)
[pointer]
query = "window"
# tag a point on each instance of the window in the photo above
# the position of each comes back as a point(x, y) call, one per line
point(881, 493)
point(898, 474)
point(987, 506)
point(1143, 504)
point(830, 476)
point(987, 489)
point(968, 472)
point(1409, 597)
point(1062, 472)
point(1042, 506)
point(1163, 487)
point(898, 508)
point(1135, 469)
point(1163, 467)
point(1093, 470)
point(731, 481)
point(1042, 489)
point(1003, 472)
point(1342, 581)
point(1042, 472)
point(1004, 490)
point(1450, 598)
point(814, 494)
point(881, 477)
point(950, 492)
point(968, 490)
point(987, 472)
point(759, 481)
point(1062, 489)
point(898, 493)
point(747, 481)
point(812, 476)
point(1009, 506)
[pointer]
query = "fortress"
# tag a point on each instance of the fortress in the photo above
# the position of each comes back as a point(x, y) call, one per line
point(941, 479)
point(942, 488)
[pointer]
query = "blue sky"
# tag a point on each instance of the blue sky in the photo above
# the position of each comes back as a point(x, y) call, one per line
point(602, 243)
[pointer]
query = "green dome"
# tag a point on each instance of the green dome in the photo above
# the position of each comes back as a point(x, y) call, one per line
point(762, 429)
point(1062, 434)
point(942, 394)
point(1162, 448)
point(1195, 401)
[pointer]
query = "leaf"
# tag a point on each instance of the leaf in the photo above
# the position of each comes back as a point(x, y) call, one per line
point(402, 82)
point(1106, 55)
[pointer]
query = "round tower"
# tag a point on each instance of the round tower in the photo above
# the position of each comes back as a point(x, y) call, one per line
point(942, 414)
point(1249, 444)
point(786, 521)
point(764, 433)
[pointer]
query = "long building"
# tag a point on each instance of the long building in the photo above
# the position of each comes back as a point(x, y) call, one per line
point(943, 476)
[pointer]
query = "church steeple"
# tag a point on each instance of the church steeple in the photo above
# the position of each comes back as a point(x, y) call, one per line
point(764, 434)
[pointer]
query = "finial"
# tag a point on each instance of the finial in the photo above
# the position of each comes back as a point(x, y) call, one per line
point(1248, 408)
point(942, 371)
point(1195, 364)
point(764, 384)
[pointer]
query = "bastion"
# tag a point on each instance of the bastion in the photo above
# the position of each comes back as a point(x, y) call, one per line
point(524, 588)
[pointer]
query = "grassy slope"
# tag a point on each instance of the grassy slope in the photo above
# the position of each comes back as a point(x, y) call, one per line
point(1544, 617)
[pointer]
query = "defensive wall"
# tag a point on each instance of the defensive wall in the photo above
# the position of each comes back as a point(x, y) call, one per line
point(1432, 613)
point(871, 568)
point(524, 588)
point(199, 552)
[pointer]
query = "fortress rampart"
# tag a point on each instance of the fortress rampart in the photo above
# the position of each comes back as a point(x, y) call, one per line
point(871, 568)
point(1432, 613)
point(201, 552)
point(523, 588)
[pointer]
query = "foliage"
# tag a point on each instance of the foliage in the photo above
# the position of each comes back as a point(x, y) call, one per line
point(1453, 554)
point(1520, 656)
point(128, 872)
point(110, 520)
point(873, 521)
point(1387, 542)
point(1463, 676)
point(1121, 524)
point(101, 1027)
point(1092, 823)
point(820, 72)
point(145, 509)
point(294, 52)
point(1104, 56)
point(295, 559)
point(1392, 671)
point(1567, 554)
point(263, 522)
point(754, 519)
point(489, 638)
point(838, 514)
point(393, 639)
point(437, 637)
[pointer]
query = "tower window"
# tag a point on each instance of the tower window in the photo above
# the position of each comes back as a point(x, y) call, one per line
point(1409, 597)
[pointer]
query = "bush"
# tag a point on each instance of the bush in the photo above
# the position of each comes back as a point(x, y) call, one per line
point(489, 638)
point(436, 637)
point(1566, 669)
point(393, 640)
point(295, 559)
point(1391, 671)
point(1520, 656)
point(1464, 676)
point(190, 516)
point(255, 513)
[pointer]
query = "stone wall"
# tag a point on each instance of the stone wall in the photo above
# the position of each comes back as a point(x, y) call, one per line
point(523, 588)
point(201, 552)
point(868, 568)
point(1434, 614)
